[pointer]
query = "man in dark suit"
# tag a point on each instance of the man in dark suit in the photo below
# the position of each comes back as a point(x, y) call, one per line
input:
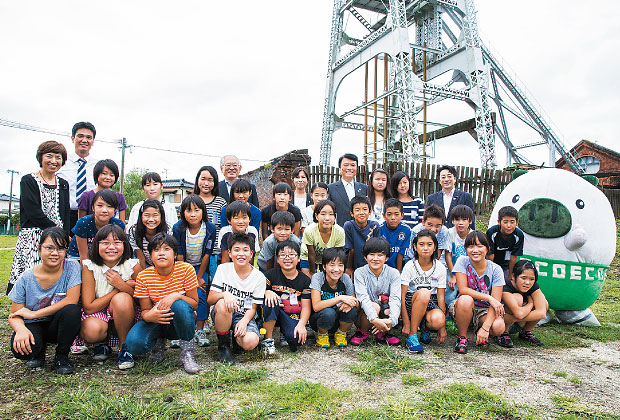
point(449, 196)
point(231, 168)
point(343, 191)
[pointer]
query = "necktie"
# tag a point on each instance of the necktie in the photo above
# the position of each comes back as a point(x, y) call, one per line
point(81, 179)
point(348, 187)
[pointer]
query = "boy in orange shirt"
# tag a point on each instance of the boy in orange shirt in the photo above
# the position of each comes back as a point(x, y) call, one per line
point(168, 298)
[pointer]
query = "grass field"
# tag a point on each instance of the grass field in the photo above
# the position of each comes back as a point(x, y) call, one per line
point(251, 390)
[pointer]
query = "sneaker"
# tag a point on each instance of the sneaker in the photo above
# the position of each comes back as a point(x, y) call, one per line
point(322, 340)
point(78, 349)
point(387, 338)
point(283, 341)
point(206, 328)
point(425, 337)
point(157, 353)
point(359, 337)
point(269, 347)
point(102, 352)
point(174, 344)
point(35, 363)
point(530, 337)
point(461, 345)
point(201, 338)
point(225, 355)
point(414, 345)
point(484, 344)
point(340, 339)
point(504, 340)
point(62, 365)
point(124, 359)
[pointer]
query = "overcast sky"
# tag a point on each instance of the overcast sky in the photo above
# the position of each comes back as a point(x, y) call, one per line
point(248, 77)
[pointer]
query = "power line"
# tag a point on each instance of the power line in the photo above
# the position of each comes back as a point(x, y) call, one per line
point(122, 142)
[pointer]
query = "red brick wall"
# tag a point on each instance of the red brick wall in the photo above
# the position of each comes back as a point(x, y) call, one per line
point(608, 174)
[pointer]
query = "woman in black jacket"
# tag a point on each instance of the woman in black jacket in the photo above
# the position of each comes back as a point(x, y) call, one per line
point(43, 203)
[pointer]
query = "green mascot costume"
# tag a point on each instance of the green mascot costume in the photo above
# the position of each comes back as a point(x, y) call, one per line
point(570, 235)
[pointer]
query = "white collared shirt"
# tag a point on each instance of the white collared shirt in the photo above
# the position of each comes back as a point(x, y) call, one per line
point(447, 200)
point(228, 185)
point(349, 187)
point(69, 173)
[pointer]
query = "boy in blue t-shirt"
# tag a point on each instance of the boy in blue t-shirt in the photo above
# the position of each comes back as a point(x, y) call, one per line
point(357, 232)
point(395, 232)
point(506, 240)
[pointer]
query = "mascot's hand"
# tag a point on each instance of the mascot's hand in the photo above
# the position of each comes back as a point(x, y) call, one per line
point(576, 238)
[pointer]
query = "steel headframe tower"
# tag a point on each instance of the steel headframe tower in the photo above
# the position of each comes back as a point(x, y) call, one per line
point(446, 40)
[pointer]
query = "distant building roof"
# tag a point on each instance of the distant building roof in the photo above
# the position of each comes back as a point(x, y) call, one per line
point(575, 151)
point(5, 197)
point(177, 183)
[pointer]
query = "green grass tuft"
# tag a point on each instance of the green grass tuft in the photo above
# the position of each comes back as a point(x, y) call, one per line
point(378, 362)
point(225, 377)
point(413, 380)
point(568, 408)
point(560, 374)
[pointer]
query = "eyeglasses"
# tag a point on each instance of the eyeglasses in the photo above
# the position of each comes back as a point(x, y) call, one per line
point(231, 165)
point(106, 244)
point(51, 249)
point(287, 256)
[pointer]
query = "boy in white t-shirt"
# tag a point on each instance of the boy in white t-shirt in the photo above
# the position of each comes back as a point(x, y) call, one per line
point(238, 289)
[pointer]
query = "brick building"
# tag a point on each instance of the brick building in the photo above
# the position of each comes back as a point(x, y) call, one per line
point(597, 160)
point(279, 169)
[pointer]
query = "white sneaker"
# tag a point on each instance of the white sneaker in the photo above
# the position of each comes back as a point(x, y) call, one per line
point(206, 327)
point(269, 347)
point(175, 344)
point(201, 338)
point(75, 349)
point(283, 341)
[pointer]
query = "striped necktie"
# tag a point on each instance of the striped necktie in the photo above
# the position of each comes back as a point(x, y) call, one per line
point(81, 179)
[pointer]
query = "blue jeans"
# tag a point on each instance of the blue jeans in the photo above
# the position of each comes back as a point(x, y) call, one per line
point(143, 335)
point(201, 312)
point(287, 324)
point(329, 318)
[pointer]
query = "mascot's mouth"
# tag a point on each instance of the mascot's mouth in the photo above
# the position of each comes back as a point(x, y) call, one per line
point(545, 218)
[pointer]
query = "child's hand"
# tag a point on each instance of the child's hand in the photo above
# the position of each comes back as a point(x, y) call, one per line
point(166, 303)
point(202, 283)
point(158, 316)
point(498, 307)
point(241, 328)
point(114, 279)
point(344, 308)
point(348, 300)
point(442, 334)
point(230, 302)
point(452, 282)
point(22, 341)
point(482, 335)
point(381, 325)
point(300, 333)
point(23, 313)
point(272, 299)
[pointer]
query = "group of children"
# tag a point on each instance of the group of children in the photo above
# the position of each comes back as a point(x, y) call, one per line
point(159, 278)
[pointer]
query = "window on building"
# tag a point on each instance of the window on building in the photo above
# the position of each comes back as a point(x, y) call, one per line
point(590, 164)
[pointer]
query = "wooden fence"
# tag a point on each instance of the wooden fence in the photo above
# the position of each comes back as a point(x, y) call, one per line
point(614, 199)
point(484, 185)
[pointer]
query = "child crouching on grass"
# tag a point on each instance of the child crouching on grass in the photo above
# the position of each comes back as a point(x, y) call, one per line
point(333, 299)
point(524, 302)
point(287, 299)
point(168, 299)
point(377, 287)
point(423, 287)
point(238, 289)
point(480, 283)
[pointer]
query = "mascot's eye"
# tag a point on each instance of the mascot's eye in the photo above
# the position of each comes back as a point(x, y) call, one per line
point(580, 204)
point(516, 198)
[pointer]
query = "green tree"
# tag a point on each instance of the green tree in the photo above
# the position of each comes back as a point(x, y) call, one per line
point(132, 188)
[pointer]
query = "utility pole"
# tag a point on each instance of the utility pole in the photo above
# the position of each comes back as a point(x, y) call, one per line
point(123, 147)
point(8, 223)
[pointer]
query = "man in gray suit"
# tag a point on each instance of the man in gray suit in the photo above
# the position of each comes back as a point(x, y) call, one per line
point(341, 192)
point(449, 196)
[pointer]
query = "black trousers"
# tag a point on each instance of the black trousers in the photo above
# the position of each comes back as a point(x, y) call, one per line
point(73, 218)
point(62, 329)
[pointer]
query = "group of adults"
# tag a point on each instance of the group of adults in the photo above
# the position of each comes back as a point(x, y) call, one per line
point(50, 196)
